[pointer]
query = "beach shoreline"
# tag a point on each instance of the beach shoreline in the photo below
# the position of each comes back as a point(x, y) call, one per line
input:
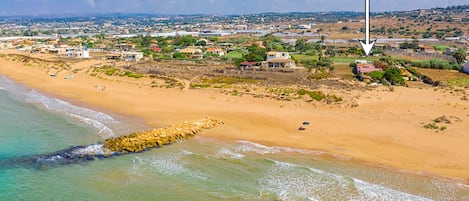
point(385, 130)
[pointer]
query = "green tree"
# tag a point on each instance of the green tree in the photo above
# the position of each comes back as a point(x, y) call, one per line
point(310, 64)
point(300, 45)
point(256, 54)
point(460, 55)
point(202, 43)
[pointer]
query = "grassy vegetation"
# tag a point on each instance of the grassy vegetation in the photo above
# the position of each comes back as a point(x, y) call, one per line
point(280, 91)
point(431, 126)
point(463, 82)
point(343, 71)
point(452, 78)
point(221, 82)
point(440, 47)
point(131, 74)
point(301, 58)
point(436, 64)
point(234, 55)
point(319, 75)
point(351, 59)
point(113, 71)
point(315, 95)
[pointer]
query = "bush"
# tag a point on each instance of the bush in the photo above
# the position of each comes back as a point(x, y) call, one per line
point(393, 75)
point(377, 75)
point(315, 95)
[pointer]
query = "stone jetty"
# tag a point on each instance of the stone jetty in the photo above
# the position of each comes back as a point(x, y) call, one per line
point(141, 141)
point(133, 143)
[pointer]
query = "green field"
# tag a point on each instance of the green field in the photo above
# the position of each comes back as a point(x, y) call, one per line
point(351, 59)
point(440, 47)
point(301, 57)
point(463, 82)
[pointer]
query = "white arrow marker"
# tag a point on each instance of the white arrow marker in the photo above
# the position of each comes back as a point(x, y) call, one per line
point(367, 45)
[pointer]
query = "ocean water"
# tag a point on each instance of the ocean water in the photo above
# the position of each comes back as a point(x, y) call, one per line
point(198, 169)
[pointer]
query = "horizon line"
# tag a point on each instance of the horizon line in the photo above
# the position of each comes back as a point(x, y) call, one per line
point(95, 14)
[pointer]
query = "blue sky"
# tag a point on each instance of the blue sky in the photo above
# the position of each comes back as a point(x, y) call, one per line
point(40, 7)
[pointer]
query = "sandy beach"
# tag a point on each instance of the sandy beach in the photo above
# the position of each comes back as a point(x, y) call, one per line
point(386, 129)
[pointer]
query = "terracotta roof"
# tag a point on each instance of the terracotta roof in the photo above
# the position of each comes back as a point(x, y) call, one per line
point(156, 49)
point(367, 68)
point(248, 63)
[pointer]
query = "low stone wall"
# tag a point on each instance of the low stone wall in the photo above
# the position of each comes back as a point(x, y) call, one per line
point(140, 141)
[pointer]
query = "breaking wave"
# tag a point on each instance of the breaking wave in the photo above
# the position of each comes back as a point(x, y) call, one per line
point(295, 182)
point(170, 164)
point(103, 123)
point(246, 146)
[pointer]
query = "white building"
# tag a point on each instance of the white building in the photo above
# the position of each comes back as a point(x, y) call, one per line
point(279, 60)
point(278, 55)
point(304, 26)
point(132, 56)
point(81, 53)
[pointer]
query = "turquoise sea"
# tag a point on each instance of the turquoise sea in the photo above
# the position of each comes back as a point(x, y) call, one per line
point(32, 124)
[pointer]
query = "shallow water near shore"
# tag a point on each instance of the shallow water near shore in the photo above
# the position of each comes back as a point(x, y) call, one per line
point(197, 169)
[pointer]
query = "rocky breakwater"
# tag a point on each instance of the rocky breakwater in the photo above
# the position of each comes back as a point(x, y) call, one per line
point(133, 143)
point(141, 141)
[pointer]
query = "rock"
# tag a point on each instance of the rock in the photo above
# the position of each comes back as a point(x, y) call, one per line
point(141, 141)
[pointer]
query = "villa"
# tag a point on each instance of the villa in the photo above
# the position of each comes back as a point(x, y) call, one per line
point(279, 60)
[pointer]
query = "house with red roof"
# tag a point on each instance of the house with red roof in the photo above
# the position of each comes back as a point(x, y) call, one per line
point(365, 68)
point(156, 49)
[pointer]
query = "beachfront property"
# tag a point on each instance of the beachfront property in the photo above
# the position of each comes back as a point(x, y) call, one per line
point(80, 53)
point(279, 60)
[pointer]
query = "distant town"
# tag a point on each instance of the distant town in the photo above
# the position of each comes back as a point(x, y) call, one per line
point(316, 42)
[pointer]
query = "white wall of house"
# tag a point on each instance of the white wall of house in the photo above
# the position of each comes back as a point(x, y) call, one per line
point(79, 54)
point(278, 55)
point(132, 56)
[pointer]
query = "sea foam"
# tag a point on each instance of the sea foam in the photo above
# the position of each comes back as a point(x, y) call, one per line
point(92, 118)
point(292, 182)
point(103, 123)
point(247, 146)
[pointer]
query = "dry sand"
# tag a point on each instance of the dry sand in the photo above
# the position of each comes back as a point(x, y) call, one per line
point(386, 128)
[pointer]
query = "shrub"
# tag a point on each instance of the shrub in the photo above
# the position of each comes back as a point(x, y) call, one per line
point(393, 75)
point(431, 126)
point(377, 75)
point(315, 95)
